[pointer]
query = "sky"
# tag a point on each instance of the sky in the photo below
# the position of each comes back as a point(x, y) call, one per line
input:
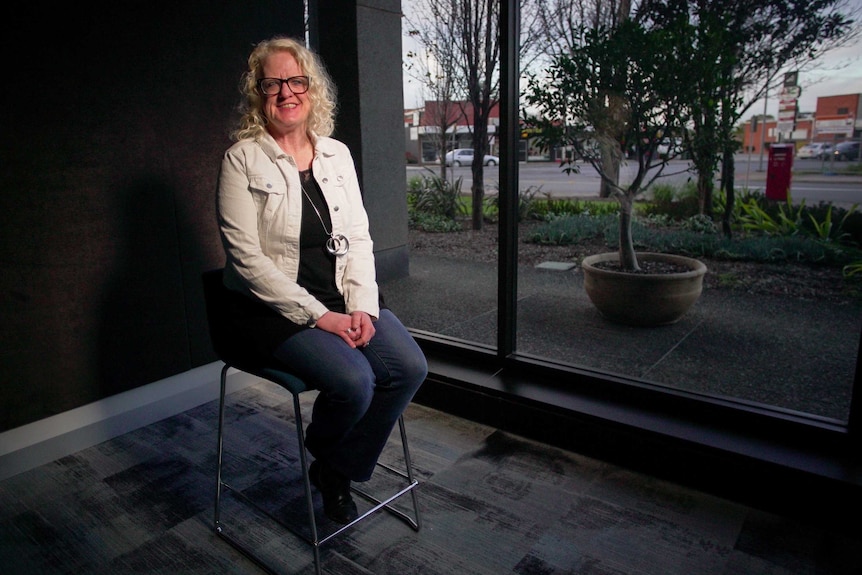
point(838, 72)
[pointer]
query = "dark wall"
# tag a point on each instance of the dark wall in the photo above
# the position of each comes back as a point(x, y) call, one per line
point(115, 117)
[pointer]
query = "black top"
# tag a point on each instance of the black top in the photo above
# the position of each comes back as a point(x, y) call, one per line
point(257, 329)
point(316, 264)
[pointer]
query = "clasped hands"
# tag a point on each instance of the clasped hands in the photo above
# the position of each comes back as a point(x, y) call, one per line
point(356, 329)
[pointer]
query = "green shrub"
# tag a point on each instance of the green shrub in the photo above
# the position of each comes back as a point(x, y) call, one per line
point(677, 203)
point(551, 208)
point(663, 193)
point(800, 249)
point(526, 204)
point(823, 222)
point(431, 200)
point(852, 269)
point(832, 223)
point(433, 223)
point(566, 230)
point(700, 223)
point(719, 201)
point(757, 218)
point(609, 208)
point(695, 243)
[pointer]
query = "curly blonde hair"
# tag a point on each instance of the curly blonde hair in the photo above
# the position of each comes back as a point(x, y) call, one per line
point(321, 90)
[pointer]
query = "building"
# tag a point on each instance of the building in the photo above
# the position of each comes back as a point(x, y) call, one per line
point(423, 127)
point(836, 118)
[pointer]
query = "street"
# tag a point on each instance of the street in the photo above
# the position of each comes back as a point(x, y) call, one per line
point(813, 180)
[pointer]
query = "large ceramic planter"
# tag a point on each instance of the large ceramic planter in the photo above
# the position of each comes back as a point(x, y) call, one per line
point(643, 299)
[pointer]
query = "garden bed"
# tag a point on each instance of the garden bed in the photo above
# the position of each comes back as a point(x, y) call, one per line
point(791, 280)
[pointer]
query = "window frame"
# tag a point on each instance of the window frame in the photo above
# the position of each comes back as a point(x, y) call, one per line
point(757, 432)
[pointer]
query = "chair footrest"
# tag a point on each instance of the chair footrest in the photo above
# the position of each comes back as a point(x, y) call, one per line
point(403, 484)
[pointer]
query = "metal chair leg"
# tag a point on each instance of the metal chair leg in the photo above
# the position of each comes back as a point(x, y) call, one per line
point(303, 461)
point(220, 449)
point(408, 464)
point(412, 483)
point(315, 540)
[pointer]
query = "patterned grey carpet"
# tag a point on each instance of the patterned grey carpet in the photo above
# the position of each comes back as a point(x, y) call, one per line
point(492, 504)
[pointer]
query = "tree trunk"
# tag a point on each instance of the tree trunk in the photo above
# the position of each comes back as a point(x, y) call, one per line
point(628, 259)
point(705, 183)
point(727, 183)
point(443, 167)
point(478, 193)
point(480, 131)
point(611, 168)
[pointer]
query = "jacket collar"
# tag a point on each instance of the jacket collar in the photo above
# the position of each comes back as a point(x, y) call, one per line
point(325, 146)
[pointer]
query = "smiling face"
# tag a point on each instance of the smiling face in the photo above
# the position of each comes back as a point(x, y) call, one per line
point(286, 112)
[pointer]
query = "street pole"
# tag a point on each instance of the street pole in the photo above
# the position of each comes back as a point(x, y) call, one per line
point(763, 126)
point(748, 166)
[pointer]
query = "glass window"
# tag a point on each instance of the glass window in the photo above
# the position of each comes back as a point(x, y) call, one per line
point(778, 335)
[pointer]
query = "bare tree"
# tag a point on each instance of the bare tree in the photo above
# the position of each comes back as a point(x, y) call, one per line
point(463, 35)
point(434, 68)
point(471, 30)
point(476, 33)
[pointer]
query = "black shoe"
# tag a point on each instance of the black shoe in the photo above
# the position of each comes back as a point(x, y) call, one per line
point(338, 504)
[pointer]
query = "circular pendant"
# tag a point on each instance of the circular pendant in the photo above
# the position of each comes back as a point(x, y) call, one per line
point(337, 245)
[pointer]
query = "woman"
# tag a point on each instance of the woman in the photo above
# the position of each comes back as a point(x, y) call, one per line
point(301, 269)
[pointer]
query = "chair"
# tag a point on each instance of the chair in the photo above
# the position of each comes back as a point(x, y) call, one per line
point(214, 293)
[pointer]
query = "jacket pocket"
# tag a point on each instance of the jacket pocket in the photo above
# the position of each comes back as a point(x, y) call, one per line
point(268, 195)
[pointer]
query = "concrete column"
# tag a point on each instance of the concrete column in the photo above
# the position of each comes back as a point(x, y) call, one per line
point(360, 44)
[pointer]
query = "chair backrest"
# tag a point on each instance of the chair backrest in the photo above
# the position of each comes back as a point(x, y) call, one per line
point(234, 350)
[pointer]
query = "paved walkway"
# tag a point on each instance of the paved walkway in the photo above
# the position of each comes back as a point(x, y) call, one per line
point(798, 355)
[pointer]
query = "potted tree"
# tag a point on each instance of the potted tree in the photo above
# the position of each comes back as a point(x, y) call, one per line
point(624, 90)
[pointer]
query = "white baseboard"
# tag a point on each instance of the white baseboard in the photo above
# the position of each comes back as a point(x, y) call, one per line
point(46, 440)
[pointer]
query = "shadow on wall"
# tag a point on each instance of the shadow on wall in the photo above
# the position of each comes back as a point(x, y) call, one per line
point(115, 124)
point(142, 305)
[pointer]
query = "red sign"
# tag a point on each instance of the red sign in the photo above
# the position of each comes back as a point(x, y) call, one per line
point(778, 171)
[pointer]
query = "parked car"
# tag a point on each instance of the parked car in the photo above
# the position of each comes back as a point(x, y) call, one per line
point(815, 150)
point(846, 151)
point(464, 157)
point(826, 151)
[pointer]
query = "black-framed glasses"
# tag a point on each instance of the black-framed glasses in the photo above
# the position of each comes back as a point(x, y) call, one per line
point(272, 86)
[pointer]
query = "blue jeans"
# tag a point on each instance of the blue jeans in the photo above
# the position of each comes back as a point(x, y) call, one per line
point(363, 391)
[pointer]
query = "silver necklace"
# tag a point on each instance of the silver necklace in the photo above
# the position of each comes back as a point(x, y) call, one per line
point(337, 244)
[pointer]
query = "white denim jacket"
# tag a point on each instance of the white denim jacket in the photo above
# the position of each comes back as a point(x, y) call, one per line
point(259, 208)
